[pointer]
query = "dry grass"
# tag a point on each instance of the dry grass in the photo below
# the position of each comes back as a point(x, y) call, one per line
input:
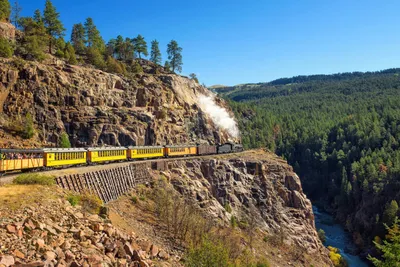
point(18, 196)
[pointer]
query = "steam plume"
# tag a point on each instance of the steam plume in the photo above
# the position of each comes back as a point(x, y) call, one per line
point(219, 115)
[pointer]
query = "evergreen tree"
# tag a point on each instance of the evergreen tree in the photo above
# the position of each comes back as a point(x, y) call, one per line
point(5, 10)
point(193, 76)
point(37, 16)
point(34, 40)
point(140, 46)
point(111, 48)
point(6, 49)
point(390, 248)
point(78, 38)
point(124, 48)
point(52, 23)
point(96, 58)
point(390, 212)
point(119, 42)
point(93, 37)
point(29, 131)
point(69, 54)
point(64, 141)
point(167, 66)
point(15, 14)
point(60, 44)
point(175, 56)
point(155, 54)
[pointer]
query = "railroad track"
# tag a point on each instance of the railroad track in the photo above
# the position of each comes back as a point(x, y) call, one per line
point(8, 178)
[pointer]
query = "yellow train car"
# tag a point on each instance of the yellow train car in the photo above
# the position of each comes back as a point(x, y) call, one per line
point(178, 151)
point(145, 152)
point(20, 159)
point(54, 157)
point(106, 154)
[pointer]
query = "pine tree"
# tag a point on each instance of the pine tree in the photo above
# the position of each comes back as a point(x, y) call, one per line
point(193, 76)
point(52, 23)
point(390, 248)
point(5, 10)
point(78, 38)
point(69, 53)
point(390, 212)
point(175, 56)
point(15, 14)
point(93, 37)
point(34, 39)
point(37, 16)
point(155, 54)
point(140, 46)
point(167, 66)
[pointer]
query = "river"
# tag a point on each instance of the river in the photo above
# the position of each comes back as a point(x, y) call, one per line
point(337, 237)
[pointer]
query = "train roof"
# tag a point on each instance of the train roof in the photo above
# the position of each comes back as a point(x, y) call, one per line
point(172, 146)
point(61, 150)
point(106, 148)
point(144, 147)
point(20, 150)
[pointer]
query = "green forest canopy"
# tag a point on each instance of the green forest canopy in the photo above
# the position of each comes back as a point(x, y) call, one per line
point(341, 133)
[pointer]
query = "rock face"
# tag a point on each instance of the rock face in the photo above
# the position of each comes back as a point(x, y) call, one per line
point(7, 31)
point(95, 107)
point(260, 189)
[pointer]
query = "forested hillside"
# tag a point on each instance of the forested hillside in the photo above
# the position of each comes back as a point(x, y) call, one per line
point(340, 132)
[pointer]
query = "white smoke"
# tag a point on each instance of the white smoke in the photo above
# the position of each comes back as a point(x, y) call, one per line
point(219, 115)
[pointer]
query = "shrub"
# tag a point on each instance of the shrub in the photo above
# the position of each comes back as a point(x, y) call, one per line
point(114, 66)
point(6, 49)
point(208, 253)
point(228, 207)
point(34, 178)
point(64, 141)
point(73, 199)
point(29, 131)
point(234, 222)
point(134, 199)
point(336, 258)
point(95, 58)
point(18, 63)
point(321, 235)
point(182, 219)
point(59, 53)
point(142, 198)
point(5, 10)
point(90, 202)
point(136, 68)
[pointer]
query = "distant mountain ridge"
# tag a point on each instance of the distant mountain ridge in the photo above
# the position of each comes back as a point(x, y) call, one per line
point(296, 84)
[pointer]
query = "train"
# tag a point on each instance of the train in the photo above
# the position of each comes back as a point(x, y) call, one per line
point(12, 160)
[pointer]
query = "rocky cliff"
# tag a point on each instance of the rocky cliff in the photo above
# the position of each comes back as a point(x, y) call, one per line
point(95, 107)
point(258, 192)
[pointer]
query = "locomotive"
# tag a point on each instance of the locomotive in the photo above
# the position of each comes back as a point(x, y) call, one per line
point(46, 158)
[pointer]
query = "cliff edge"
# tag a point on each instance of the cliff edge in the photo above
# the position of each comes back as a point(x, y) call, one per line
point(97, 108)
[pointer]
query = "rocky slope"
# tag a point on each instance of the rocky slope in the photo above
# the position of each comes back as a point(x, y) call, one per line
point(95, 107)
point(260, 191)
point(39, 227)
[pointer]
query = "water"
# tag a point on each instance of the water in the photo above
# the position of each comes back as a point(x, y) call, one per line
point(338, 238)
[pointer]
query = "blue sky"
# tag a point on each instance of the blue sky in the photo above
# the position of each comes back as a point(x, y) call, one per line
point(232, 42)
